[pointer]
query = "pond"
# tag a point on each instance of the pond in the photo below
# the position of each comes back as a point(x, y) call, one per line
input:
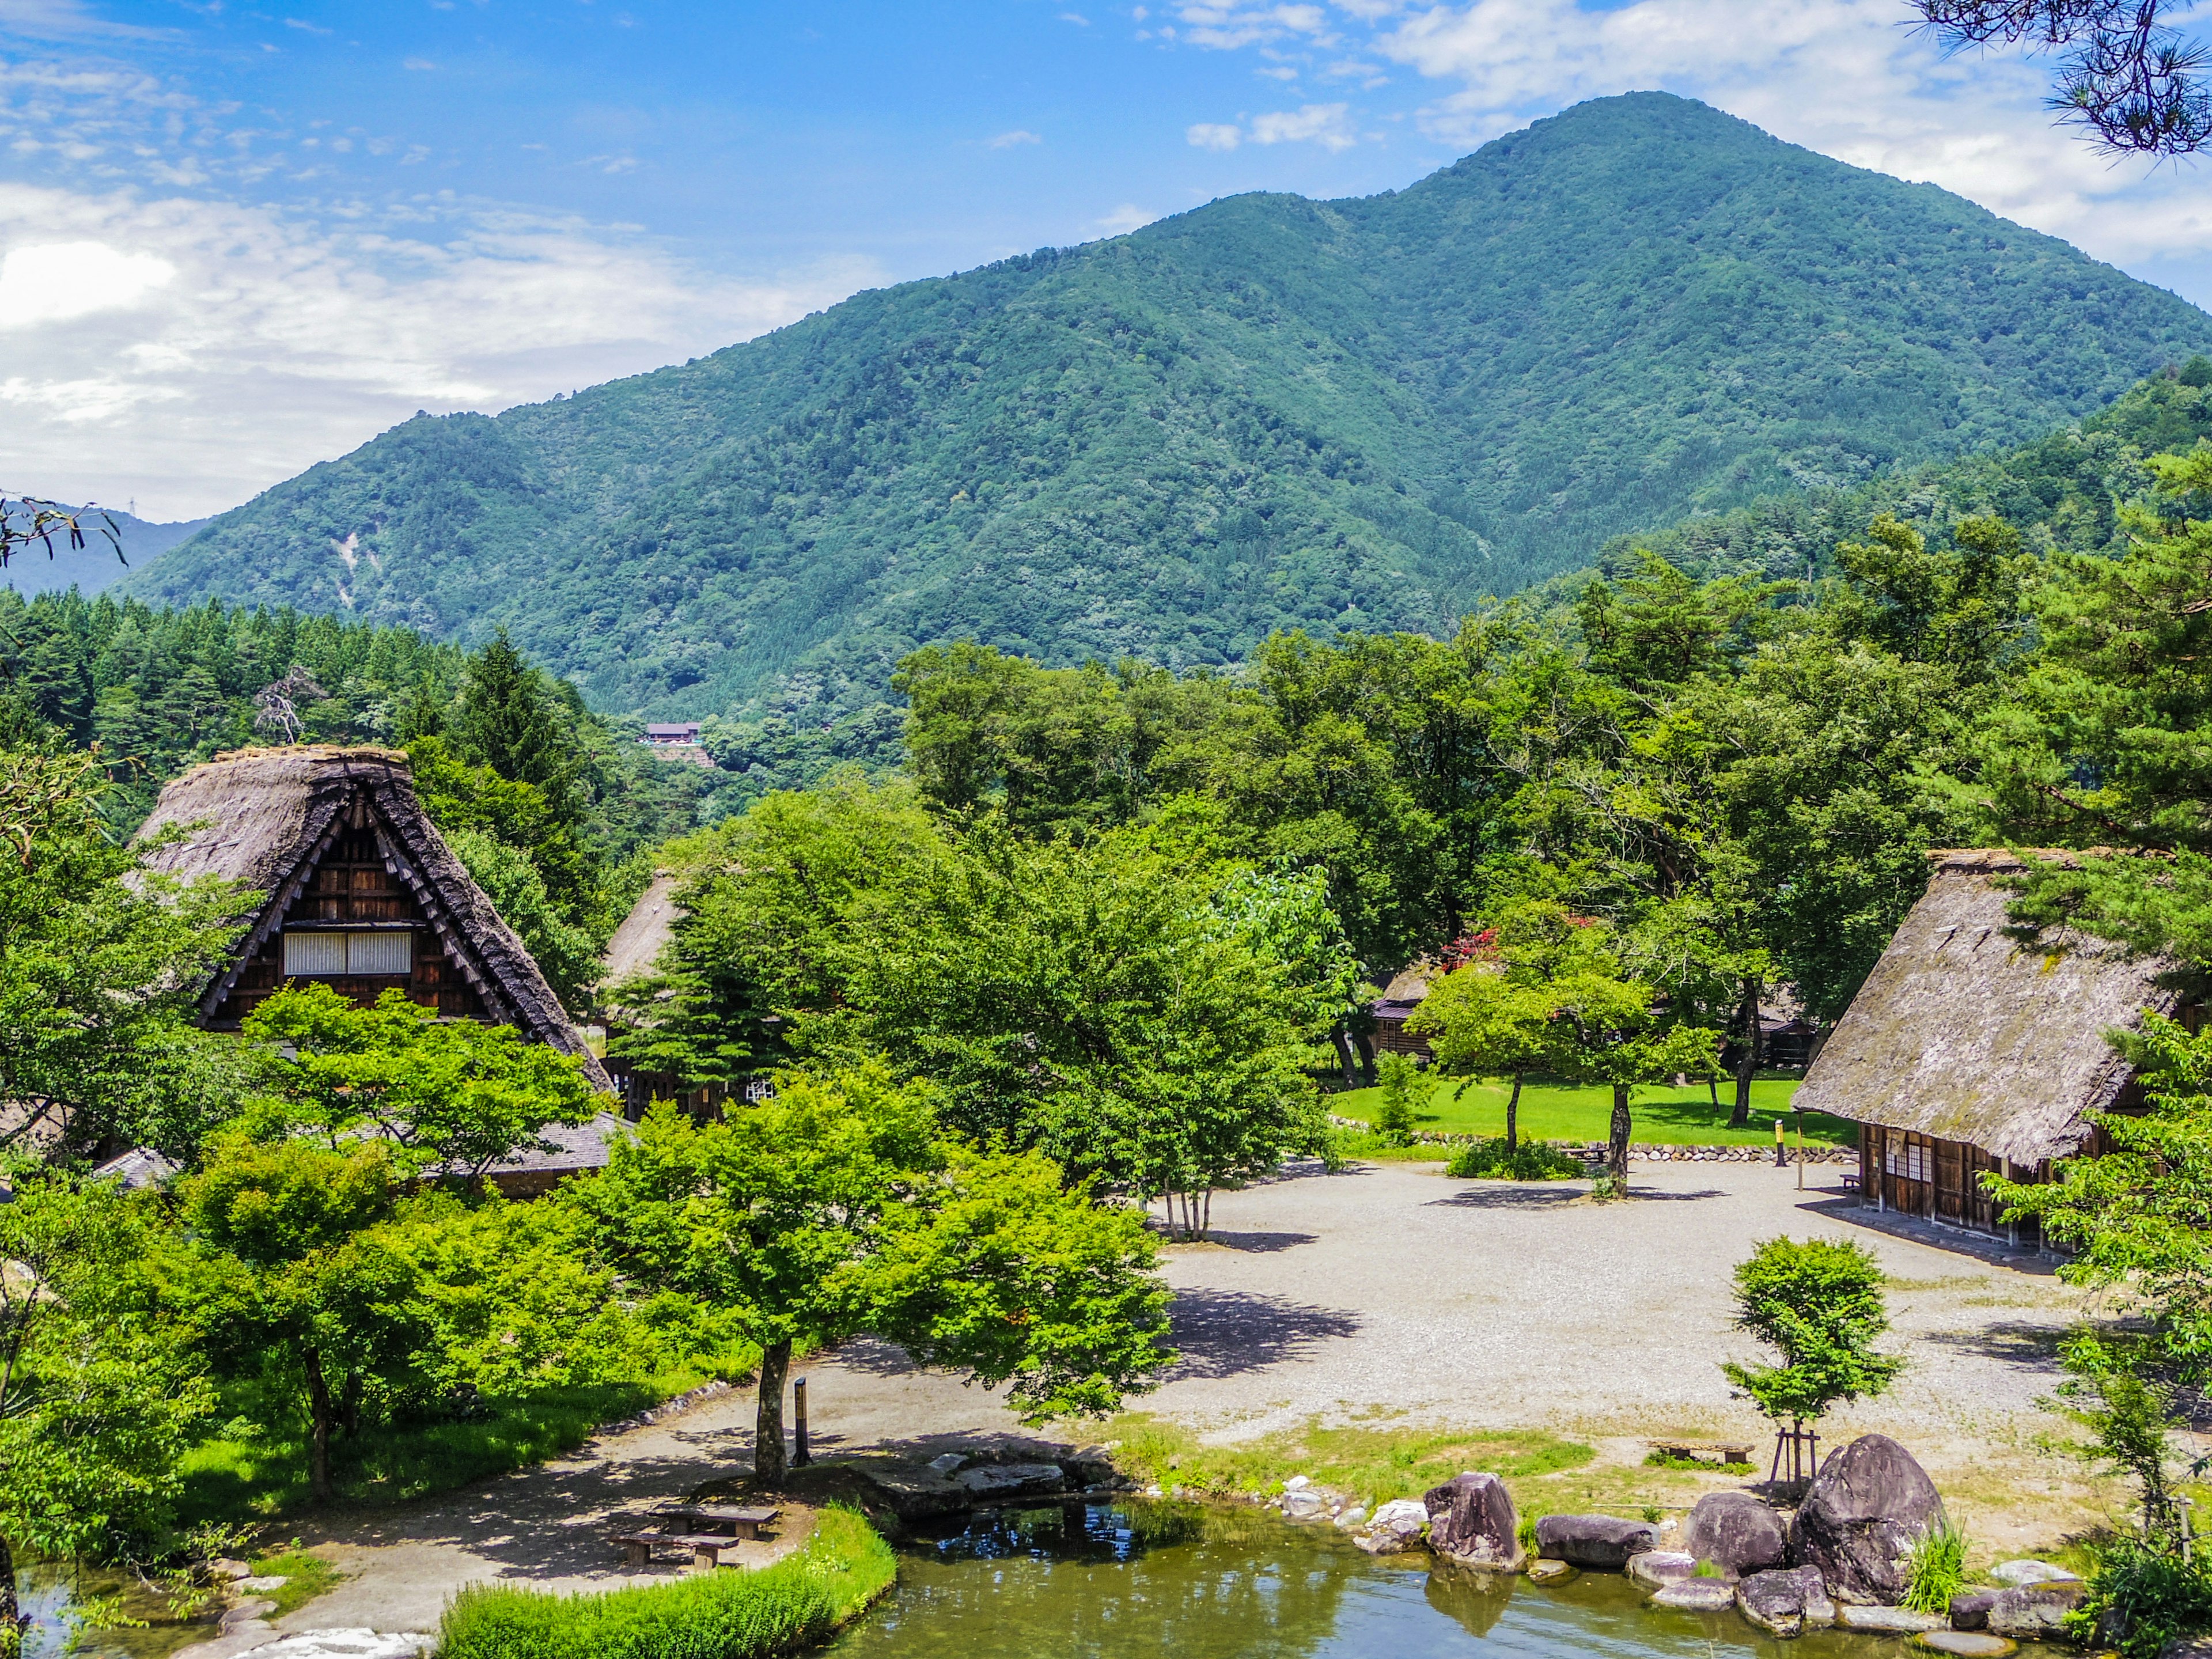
point(48, 1589)
point(1136, 1580)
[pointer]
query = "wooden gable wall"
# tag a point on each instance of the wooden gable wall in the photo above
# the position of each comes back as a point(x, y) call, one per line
point(352, 890)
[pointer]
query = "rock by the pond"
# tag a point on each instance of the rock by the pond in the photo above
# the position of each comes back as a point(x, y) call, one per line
point(1888, 1621)
point(1656, 1569)
point(347, 1644)
point(264, 1583)
point(1696, 1595)
point(1736, 1533)
point(1965, 1644)
point(2013, 1573)
point(1303, 1504)
point(2034, 1610)
point(227, 1567)
point(1395, 1527)
point(1860, 1518)
point(1473, 1522)
point(1782, 1601)
point(947, 1462)
point(1605, 1541)
point(1542, 1571)
point(1013, 1479)
point(247, 1612)
point(1970, 1609)
point(1297, 1483)
point(1353, 1518)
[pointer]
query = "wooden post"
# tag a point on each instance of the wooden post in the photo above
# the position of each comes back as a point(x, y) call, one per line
point(1779, 1159)
point(801, 1456)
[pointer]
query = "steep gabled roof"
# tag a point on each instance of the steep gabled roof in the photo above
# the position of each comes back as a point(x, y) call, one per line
point(1963, 1033)
point(263, 818)
point(634, 951)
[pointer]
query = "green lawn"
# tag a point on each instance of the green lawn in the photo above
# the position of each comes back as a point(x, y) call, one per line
point(1664, 1117)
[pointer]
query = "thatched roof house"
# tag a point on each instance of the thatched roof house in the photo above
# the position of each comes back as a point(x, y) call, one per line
point(1966, 1051)
point(1404, 993)
point(576, 1149)
point(356, 888)
point(635, 950)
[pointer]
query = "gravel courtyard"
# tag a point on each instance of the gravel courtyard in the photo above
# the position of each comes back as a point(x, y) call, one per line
point(1386, 1289)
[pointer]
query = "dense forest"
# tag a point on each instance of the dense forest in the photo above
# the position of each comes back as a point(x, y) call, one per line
point(1265, 414)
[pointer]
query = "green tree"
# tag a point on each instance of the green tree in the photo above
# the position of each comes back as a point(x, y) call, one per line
point(1484, 1019)
point(1818, 1304)
point(508, 722)
point(838, 1207)
point(1394, 1117)
point(99, 1396)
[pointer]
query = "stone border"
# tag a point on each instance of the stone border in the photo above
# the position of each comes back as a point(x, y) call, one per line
point(1595, 1151)
point(669, 1407)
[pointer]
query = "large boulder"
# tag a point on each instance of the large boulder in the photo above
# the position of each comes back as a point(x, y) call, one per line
point(1697, 1596)
point(1472, 1521)
point(1783, 1601)
point(1014, 1479)
point(2035, 1610)
point(1593, 1541)
point(1656, 1569)
point(1859, 1520)
point(2026, 1571)
point(1736, 1533)
point(1970, 1609)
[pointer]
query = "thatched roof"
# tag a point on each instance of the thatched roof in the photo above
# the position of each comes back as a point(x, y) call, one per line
point(261, 819)
point(139, 1168)
point(636, 946)
point(1962, 1033)
point(576, 1148)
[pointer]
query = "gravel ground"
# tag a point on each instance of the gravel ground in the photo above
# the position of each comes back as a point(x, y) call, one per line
point(1389, 1287)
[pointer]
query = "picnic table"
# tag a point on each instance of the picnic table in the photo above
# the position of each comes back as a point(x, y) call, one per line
point(712, 1528)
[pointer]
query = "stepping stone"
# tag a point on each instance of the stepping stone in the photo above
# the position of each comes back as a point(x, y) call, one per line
point(1696, 1595)
point(1966, 1643)
point(1895, 1621)
point(1544, 1570)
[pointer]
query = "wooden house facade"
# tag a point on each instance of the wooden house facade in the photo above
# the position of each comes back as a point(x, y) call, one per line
point(1969, 1052)
point(351, 885)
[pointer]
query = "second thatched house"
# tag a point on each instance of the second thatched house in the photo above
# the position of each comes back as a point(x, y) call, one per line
point(1967, 1052)
point(358, 889)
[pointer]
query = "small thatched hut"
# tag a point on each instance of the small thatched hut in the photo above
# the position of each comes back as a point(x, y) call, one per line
point(357, 888)
point(1966, 1052)
point(1404, 993)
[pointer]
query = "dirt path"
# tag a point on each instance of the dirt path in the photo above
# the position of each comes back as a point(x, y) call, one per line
point(1389, 1287)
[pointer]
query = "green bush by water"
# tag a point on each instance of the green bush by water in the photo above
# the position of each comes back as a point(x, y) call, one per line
point(722, 1614)
point(1532, 1160)
point(2140, 1599)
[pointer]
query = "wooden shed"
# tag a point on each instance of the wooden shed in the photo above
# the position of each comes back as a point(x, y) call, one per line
point(1967, 1051)
point(355, 887)
point(1404, 993)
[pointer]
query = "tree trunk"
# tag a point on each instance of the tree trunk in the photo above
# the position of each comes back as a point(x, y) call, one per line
point(1366, 1047)
point(768, 1465)
point(1513, 1115)
point(1617, 1156)
point(1747, 1056)
point(1205, 1218)
point(319, 1417)
point(1346, 1057)
point(11, 1611)
point(349, 1405)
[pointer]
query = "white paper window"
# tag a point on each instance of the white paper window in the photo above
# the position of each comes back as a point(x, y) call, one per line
point(308, 954)
point(378, 953)
point(314, 953)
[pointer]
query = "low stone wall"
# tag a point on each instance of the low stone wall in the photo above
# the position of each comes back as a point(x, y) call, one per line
point(1594, 1152)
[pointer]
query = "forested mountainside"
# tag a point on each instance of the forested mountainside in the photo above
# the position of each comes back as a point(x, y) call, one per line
point(1267, 412)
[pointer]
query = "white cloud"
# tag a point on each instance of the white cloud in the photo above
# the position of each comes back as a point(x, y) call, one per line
point(192, 353)
point(1126, 218)
point(1211, 135)
point(1019, 136)
point(55, 281)
point(1326, 124)
point(1226, 28)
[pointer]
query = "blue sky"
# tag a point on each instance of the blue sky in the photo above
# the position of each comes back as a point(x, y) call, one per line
point(235, 238)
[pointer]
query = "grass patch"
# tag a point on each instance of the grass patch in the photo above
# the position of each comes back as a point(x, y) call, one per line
point(714, 1615)
point(1376, 1464)
point(1368, 1147)
point(1664, 1117)
point(252, 1472)
point(305, 1575)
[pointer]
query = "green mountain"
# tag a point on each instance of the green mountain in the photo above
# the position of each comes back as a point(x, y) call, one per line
point(1269, 411)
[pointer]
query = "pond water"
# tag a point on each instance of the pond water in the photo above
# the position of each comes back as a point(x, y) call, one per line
point(1137, 1580)
point(48, 1589)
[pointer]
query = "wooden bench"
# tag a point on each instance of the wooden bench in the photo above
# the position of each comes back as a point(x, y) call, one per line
point(1701, 1452)
point(1850, 1183)
point(706, 1548)
point(637, 1547)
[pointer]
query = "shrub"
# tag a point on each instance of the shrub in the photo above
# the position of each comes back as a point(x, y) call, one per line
point(2140, 1599)
point(1532, 1160)
point(716, 1615)
point(1393, 1118)
point(1935, 1569)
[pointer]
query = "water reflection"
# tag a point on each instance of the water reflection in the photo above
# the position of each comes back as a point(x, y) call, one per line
point(47, 1590)
point(1134, 1580)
